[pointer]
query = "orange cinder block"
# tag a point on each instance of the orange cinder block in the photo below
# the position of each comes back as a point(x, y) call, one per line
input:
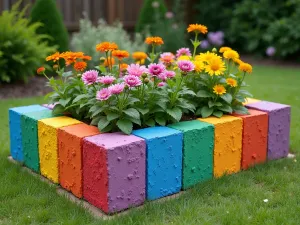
point(70, 155)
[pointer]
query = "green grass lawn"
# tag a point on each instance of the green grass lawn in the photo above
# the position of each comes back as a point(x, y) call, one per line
point(235, 199)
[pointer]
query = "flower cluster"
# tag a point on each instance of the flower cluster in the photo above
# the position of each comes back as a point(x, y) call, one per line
point(157, 88)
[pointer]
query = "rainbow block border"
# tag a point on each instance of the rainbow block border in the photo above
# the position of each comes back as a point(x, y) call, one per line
point(118, 171)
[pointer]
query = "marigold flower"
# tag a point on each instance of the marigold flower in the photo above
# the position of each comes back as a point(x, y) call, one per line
point(103, 94)
point(219, 89)
point(199, 66)
point(106, 46)
point(54, 57)
point(80, 66)
point(41, 70)
point(154, 41)
point(139, 56)
point(185, 66)
point(109, 61)
point(231, 82)
point(245, 67)
point(89, 77)
point(215, 67)
point(71, 57)
point(197, 28)
point(167, 58)
point(223, 49)
point(120, 54)
point(231, 54)
point(123, 66)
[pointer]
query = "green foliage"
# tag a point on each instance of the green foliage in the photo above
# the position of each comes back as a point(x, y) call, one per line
point(46, 12)
point(89, 36)
point(22, 51)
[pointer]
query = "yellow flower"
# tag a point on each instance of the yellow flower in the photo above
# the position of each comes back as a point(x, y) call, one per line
point(219, 89)
point(231, 54)
point(197, 28)
point(231, 82)
point(206, 57)
point(238, 61)
point(215, 67)
point(245, 67)
point(139, 55)
point(184, 57)
point(224, 49)
point(199, 66)
point(141, 62)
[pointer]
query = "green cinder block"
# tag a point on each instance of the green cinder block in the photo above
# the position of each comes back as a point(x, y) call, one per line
point(29, 128)
point(198, 147)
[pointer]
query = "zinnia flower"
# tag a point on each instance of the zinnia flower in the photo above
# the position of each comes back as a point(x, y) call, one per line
point(197, 28)
point(219, 89)
point(156, 69)
point(80, 66)
point(106, 79)
point(136, 70)
point(167, 58)
point(120, 54)
point(106, 46)
point(132, 81)
point(162, 76)
point(215, 67)
point(54, 57)
point(109, 61)
point(89, 77)
point(41, 70)
point(161, 84)
point(231, 82)
point(231, 54)
point(185, 66)
point(245, 67)
point(224, 49)
point(154, 41)
point(169, 74)
point(116, 88)
point(183, 51)
point(103, 94)
point(138, 56)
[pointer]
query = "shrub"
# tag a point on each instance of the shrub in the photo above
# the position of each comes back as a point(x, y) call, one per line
point(88, 36)
point(46, 12)
point(21, 49)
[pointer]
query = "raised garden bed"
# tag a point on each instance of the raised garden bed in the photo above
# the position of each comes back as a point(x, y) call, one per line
point(114, 171)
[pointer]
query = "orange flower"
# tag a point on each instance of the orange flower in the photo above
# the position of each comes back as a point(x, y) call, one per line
point(245, 67)
point(197, 28)
point(41, 70)
point(71, 57)
point(106, 46)
point(120, 54)
point(139, 55)
point(110, 61)
point(80, 66)
point(231, 82)
point(55, 57)
point(123, 66)
point(154, 41)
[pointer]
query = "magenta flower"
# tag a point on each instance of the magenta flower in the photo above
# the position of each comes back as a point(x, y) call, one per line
point(161, 84)
point(156, 69)
point(183, 51)
point(132, 81)
point(162, 76)
point(170, 74)
point(89, 77)
point(106, 79)
point(185, 66)
point(116, 88)
point(103, 94)
point(136, 70)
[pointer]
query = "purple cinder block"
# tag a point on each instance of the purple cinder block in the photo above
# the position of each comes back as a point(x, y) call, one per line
point(114, 171)
point(49, 106)
point(279, 127)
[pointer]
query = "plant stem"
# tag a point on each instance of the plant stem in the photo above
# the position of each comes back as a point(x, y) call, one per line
point(195, 47)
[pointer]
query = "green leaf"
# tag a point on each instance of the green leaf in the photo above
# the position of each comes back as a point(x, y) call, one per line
point(218, 114)
point(239, 109)
point(150, 122)
point(245, 93)
point(143, 111)
point(58, 109)
point(227, 98)
point(125, 126)
point(212, 104)
point(95, 121)
point(175, 113)
point(160, 120)
point(206, 112)
point(101, 68)
point(134, 120)
point(198, 112)
point(225, 108)
point(103, 122)
point(67, 74)
point(79, 97)
point(203, 94)
point(111, 116)
point(162, 104)
point(64, 102)
point(132, 113)
point(187, 92)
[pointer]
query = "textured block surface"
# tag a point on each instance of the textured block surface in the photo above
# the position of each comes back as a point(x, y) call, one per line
point(279, 127)
point(114, 171)
point(16, 149)
point(228, 144)
point(251, 100)
point(70, 155)
point(163, 160)
point(255, 138)
point(198, 139)
point(29, 124)
point(48, 149)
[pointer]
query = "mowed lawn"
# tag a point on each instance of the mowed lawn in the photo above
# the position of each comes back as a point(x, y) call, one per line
point(235, 199)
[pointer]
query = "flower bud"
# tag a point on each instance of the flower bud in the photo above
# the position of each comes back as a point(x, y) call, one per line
point(146, 80)
point(214, 50)
point(55, 66)
point(144, 75)
point(41, 70)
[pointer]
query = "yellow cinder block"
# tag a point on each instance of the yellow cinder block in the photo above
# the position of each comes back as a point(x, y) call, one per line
point(228, 144)
point(48, 151)
point(251, 100)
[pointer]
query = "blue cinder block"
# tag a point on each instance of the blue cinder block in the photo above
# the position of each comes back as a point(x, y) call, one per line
point(163, 160)
point(16, 149)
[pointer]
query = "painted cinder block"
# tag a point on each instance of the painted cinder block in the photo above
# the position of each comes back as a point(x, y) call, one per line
point(16, 148)
point(48, 149)
point(70, 155)
point(29, 125)
point(50, 106)
point(198, 142)
point(279, 127)
point(163, 161)
point(228, 144)
point(251, 100)
point(255, 138)
point(114, 171)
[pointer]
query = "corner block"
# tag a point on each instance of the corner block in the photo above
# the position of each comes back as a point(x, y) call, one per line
point(251, 100)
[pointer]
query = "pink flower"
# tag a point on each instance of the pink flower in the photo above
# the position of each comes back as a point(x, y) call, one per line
point(183, 51)
point(162, 76)
point(161, 84)
point(169, 15)
point(116, 88)
point(89, 77)
point(156, 69)
point(167, 58)
point(185, 66)
point(132, 81)
point(106, 79)
point(103, 94)
point(170, 74)
point(136, 70)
